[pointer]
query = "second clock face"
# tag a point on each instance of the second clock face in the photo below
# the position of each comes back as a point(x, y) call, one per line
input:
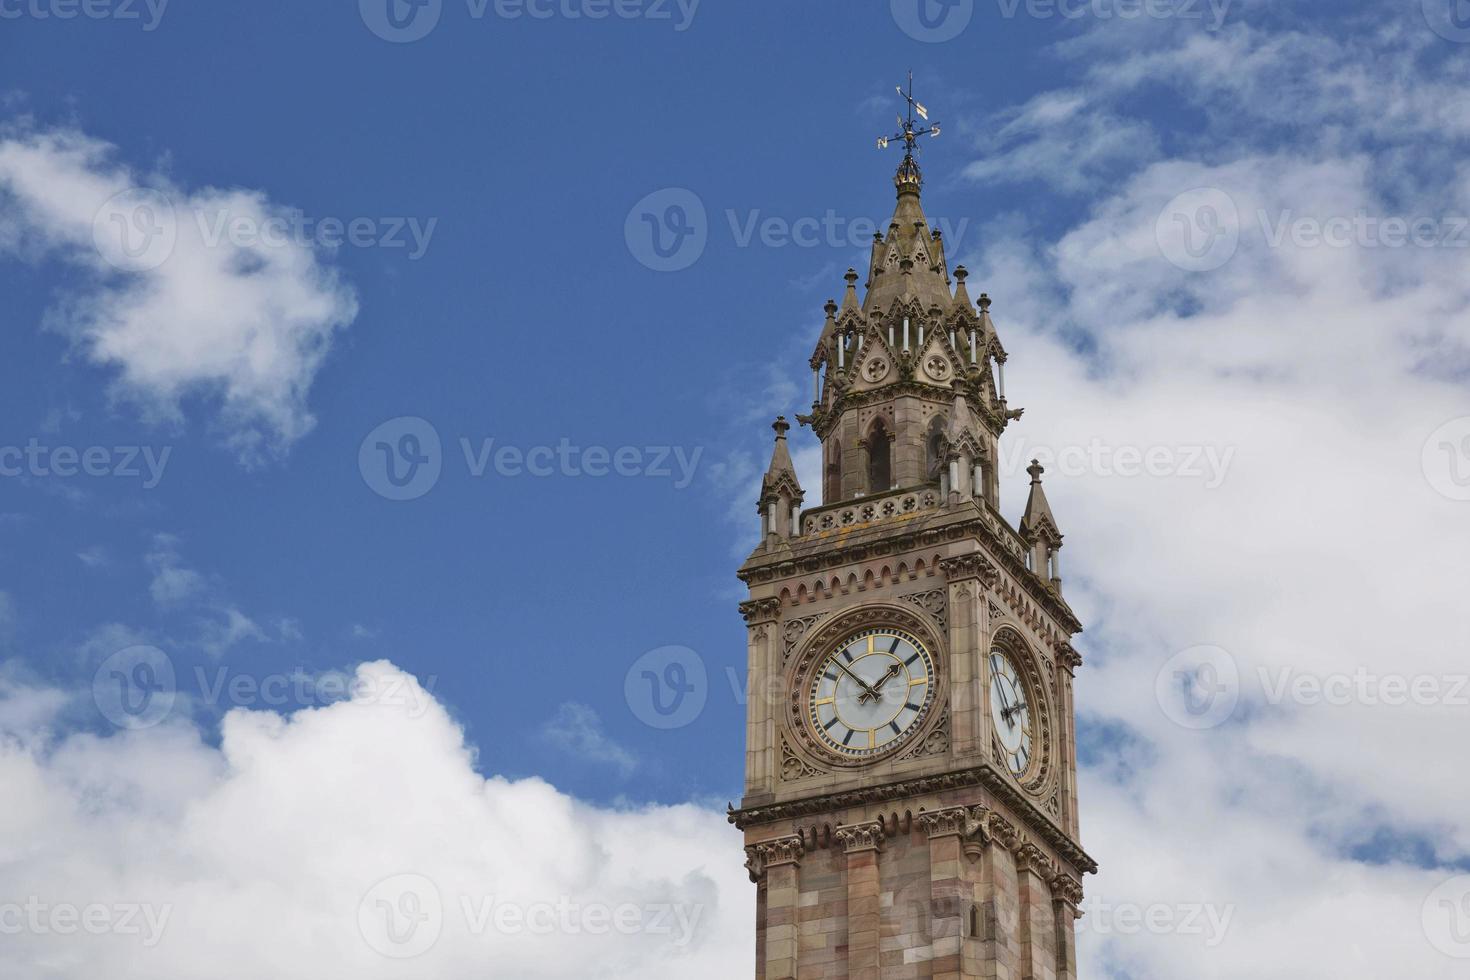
point(871, 693)
point(1011, 711)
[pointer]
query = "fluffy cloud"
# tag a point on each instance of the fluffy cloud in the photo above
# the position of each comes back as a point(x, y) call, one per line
point(175, 305)
point(334, 842)
point(1323, 548)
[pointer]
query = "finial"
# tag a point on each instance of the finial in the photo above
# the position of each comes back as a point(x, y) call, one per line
point(908, 177)
point(781, 426)
point(831, 308)
point(851, 277)
point(1036, 469)
point(985, 302)
point(961, 273)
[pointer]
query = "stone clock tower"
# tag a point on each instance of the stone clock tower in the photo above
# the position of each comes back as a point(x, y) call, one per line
point(910, 804)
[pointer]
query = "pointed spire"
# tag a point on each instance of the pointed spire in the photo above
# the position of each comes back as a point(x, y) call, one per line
point(1038, 522)
point(781, 493)
point(850, 298)
point(961, 294)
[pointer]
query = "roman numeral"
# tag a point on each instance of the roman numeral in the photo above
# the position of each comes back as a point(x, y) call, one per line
point(894, 725)
point(828, 727)
point(913, 706)
point(848, 737)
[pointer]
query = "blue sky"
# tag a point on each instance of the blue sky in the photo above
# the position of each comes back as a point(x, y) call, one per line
point(498, 169)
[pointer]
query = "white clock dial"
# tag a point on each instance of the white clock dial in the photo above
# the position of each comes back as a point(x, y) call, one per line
point(871, 693)
point(1011, 711)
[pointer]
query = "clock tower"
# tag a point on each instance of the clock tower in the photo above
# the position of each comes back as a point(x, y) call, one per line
point(910, 804)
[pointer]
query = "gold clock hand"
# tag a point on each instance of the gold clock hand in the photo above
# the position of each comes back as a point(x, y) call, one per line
point(888, 675)
point(861, 683)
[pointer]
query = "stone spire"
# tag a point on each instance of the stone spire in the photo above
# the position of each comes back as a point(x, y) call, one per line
point(1039, 529)
point(781, 493)
point(908, 262)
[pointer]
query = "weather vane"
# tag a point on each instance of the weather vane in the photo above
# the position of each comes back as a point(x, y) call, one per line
point(907, 131)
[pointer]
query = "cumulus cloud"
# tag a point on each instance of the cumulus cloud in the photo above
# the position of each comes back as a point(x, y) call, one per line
point(352, 840)
point(1324, 548)
point(174, 308)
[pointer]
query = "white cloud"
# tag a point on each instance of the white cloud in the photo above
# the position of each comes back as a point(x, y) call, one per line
point(264, 856)
point(243, 325)
point(577, 729)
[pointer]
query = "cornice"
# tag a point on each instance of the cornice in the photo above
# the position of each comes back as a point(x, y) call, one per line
point(985, 776)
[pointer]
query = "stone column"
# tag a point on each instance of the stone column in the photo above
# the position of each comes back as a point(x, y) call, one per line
point(763, 660)
point(1068, 660)
point(774, 863)
point(1066, 895)
point(948, 902)
point(862, 842)
point(1033, 872)
point(969, 576)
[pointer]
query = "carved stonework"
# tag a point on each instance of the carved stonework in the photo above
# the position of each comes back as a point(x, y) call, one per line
point(793, 767)
point(996, 612)
point(861, 837)
point(1068, 656)
point(1002, 831)
point(970, 566)
point(1066, 889)
point(792, 633)
point(760, 610)
point(1030, 858)
point(768, 854)
point(954, 822)
point(935, 603)
point(935, 743)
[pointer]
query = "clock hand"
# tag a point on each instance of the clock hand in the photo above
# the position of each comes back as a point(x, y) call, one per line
point(861, 683)
point(888, 675)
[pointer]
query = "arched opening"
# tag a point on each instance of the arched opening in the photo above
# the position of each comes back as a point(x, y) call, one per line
point(832, 476)
point(880, 454)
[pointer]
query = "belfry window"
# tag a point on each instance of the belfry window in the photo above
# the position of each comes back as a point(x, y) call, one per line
point(880, 467)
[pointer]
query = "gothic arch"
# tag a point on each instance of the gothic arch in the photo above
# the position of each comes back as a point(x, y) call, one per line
point(879, 452)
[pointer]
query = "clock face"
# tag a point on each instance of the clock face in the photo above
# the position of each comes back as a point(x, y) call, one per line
point(1011, 711)
point(871, 693)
